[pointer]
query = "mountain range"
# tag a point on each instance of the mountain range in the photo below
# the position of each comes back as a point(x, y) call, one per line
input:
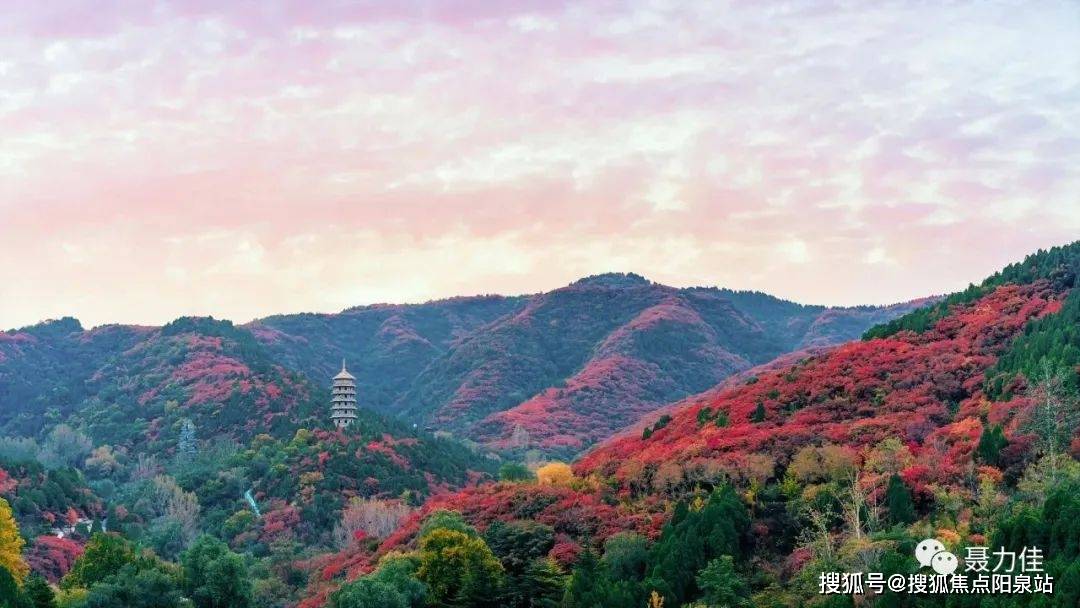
point(728, 444)
point(957, 421)
point(553, 372)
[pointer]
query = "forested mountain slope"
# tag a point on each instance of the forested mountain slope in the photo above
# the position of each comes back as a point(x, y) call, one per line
point(202, 426)
point(159, 433)
point(575, 365)
point(959, 421)
point(554, 372)
point(387, 346)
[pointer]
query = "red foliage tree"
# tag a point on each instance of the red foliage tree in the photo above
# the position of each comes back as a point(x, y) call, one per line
point(52, 557)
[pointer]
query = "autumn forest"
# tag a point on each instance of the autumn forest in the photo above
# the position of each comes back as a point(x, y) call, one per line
point(615, 443)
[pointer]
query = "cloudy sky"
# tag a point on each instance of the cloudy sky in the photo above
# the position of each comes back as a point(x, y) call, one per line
point(160, 159)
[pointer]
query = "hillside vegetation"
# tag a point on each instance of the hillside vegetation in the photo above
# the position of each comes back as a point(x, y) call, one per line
point(554, 373)
point(195, 459)
point(959, 422)
point(158, 434)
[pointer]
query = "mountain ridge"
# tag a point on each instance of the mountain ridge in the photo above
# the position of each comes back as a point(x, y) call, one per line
point(959, 421)
point(489, 366)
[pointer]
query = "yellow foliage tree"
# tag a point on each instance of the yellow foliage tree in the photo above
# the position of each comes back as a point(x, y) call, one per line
point(11, 544)
point(555, 474)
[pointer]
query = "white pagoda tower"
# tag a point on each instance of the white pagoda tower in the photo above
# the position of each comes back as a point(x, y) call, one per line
point(343, 401)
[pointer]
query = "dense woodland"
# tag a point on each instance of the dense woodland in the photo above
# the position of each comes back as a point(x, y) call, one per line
point(962, 429)
point(189, 465)
point(556, 372)
point(168, 436)
point(521, 374)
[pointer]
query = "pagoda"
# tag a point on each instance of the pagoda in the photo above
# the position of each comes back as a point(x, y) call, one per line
point(343, 402)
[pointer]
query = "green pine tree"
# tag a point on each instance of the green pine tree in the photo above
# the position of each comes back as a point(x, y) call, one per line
point(214, 576)
point(759, 413)
point(721, 585)
point(899, 502)
point(515, 471)
point(39, 592)
point(541, 585)
point(697, 533)
point(585, 587)
point(991, 442)
point(722, 419)
point(10, 594)
point(367, 593)
point(704, 415)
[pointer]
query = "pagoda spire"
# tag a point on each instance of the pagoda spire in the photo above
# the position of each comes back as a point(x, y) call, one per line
point(343, 398)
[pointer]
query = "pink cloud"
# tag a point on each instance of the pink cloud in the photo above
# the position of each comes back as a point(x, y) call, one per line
point(280, 156)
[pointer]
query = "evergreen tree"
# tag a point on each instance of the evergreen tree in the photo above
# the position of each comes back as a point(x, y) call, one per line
point(1049, 343)
point(1067, 591)
point(10, 594)
point(698, 532)
point(143, 585)
point(592, 585)
point(759, 413)
point(519, 543)
point(899, 502)
point(214, 576)
point(39, 592)
point(1053, 527)
point(626, 556)
point(721, 585)
point(515, 471)
point(722, 419)
point(584, 590)
point(539, 586)
point(704, 415)
point(991, 442)
point(368, 593)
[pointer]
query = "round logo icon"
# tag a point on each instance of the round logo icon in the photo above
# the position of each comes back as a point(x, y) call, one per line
point(945, 562)
point(925, 551)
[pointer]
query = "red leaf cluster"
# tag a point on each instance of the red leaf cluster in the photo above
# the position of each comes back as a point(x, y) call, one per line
point(924, 388)
point(52, 557)
point(280, 522)
point(7, 483)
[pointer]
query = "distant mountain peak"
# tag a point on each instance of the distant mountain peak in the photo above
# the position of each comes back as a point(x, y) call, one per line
point(613, 280)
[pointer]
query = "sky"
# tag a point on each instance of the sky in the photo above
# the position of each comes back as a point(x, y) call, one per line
point(160, 159)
